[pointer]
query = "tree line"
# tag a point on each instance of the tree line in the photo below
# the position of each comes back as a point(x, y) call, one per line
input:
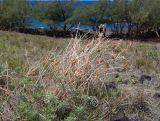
point(132, 17)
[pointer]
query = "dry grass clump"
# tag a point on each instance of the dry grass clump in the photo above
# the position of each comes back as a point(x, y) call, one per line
point(83, 67)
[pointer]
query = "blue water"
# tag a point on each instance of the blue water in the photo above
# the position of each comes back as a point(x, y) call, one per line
point(36, 24)
point(78, 3)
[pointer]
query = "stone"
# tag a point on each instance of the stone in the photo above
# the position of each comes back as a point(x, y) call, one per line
point(102, 30)
point(145, 78)
point(111, 85)
point(119, 116)
point(156, 95)
point(157, 87)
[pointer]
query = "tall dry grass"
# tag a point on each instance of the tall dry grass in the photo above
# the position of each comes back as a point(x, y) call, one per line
point(83, 66)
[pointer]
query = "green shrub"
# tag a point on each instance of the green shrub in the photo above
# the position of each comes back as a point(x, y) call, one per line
point(26, 109)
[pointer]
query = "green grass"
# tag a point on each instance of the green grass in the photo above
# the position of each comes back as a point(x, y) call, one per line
point(16, 48)
point(147, 57)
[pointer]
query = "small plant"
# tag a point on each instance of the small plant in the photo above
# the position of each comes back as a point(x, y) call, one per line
point(91, 102)
point(78, 114)
point(26, 109)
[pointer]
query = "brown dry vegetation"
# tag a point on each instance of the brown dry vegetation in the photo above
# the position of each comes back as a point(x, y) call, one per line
point(83, 80)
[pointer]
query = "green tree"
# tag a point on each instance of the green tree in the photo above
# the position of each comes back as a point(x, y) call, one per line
point(138, 16)
point(119, 14)
point(92, 14)
point(84, 15)
point(57, 12)
point(13, 13)
point(153, 19)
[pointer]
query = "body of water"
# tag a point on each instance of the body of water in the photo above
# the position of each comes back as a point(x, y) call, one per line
point(36, 24)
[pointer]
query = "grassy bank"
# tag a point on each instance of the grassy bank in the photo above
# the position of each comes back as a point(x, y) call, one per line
point(16, 49)
point(49, 79)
